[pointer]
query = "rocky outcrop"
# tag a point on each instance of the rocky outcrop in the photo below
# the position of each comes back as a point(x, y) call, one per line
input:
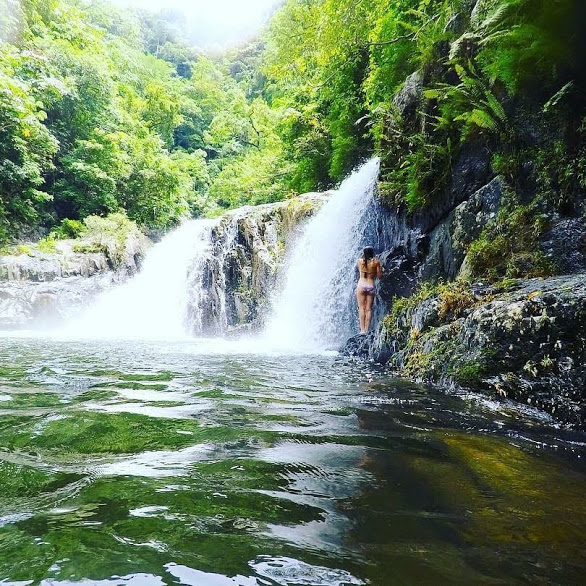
point(433, 245)
point(241, 270)
point(527, 343)
point(43, 289)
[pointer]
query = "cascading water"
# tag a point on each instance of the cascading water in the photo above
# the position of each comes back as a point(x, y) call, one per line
point(180, 289)
point(207, 285)
point(153, 304)
point(316, 308)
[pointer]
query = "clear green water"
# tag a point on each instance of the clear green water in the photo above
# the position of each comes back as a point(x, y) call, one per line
point(189, 463)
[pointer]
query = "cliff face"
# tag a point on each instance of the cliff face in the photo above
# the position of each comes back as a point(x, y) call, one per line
point(524, 339)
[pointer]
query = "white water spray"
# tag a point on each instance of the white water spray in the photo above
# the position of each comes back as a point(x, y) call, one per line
point(153, 304)
point(315, 309)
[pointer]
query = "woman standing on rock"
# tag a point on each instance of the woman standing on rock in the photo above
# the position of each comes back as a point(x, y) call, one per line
point(370, 269)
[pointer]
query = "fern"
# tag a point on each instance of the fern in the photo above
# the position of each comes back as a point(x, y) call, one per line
point(495, 107)
point(481, 119)
point(471, 104)
point(498, 18)
point(557, 97)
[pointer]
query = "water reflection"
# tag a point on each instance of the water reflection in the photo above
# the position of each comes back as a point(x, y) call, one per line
point(150, 463)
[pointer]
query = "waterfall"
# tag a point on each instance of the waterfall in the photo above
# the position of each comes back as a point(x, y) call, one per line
point(154, 303)
point(316, 308)
point(207, 313)
point(186, 279)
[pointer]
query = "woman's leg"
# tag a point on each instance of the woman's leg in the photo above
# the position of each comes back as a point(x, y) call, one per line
point(367, 311)
point(361, 300)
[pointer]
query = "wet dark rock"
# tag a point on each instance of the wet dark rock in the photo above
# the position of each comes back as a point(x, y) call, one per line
point(471, 171)
point(399, 277)
point(358, 346)
point(242, 268)
point(410, 96)
point(421, 247)
point(565, 244)
point(449, 241)
point(528, 344)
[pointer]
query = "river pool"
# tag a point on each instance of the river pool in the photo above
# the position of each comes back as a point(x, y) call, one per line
point(205, 462)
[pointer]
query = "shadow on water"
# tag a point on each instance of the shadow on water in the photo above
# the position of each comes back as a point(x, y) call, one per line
point(147, 463)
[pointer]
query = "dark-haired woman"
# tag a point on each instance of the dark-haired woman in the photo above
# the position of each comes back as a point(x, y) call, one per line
point(370, 269)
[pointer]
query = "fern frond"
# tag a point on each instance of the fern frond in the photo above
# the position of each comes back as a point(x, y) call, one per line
point(555, 99)
point(473, 88)
point(415, 12)
point(482, 119)
point(495, 106)
point(434, 94)
point(409, 27)
point(494, 37)
point(498, 18)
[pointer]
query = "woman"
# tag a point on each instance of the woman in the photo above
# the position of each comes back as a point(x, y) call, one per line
point(370, 269)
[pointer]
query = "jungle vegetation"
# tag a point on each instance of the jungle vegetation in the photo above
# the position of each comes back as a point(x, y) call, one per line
point(105, 110)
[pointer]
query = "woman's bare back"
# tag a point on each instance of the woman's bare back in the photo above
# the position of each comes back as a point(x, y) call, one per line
point(369, 270)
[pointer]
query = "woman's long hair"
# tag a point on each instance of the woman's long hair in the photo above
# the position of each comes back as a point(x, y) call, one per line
point(367, 254)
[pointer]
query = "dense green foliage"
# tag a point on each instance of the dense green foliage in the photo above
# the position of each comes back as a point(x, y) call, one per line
point(341, 66)
point(105, 110)
point(508, 246)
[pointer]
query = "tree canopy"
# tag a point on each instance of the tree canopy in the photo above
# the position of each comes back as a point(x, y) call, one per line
point(107, 110)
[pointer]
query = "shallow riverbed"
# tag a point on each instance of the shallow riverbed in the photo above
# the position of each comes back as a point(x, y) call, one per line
point(205, 462)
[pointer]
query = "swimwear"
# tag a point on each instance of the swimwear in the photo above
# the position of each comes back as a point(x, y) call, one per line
point(367, 289)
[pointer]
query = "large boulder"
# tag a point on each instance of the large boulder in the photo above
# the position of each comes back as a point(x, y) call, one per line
point(241, 269)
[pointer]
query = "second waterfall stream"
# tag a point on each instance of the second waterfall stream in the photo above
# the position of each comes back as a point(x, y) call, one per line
point(313, 308)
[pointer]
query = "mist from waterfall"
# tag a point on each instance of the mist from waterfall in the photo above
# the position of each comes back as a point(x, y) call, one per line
point(153, 304)
point(316, 308)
